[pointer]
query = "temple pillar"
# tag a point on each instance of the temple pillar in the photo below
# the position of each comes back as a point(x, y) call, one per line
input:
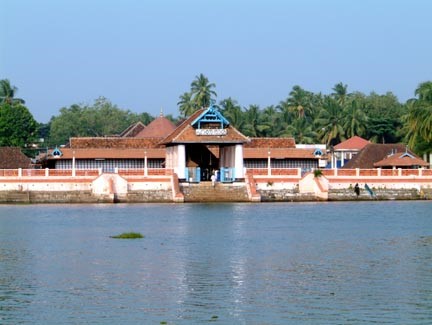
point(181, 161)
point(238, 162)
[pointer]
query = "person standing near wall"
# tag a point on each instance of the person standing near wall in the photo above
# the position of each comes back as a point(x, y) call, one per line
point(357, 189)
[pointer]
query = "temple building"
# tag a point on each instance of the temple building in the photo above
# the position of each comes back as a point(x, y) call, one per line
point(204, 144)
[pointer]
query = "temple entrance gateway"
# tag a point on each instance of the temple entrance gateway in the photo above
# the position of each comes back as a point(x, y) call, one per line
point(204, 144)
point(203, 157)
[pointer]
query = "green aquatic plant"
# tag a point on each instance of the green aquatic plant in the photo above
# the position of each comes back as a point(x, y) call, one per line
point(318, 173)
point(128, 235)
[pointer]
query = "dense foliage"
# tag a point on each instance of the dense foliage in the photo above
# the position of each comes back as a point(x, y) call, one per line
point(307, 116)
point(316, 118)
point(17, 125)
point(100, 119)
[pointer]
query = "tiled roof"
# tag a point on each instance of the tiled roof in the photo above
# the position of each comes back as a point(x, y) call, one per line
point(354, 143)
point(185, 133)
point(278, 153)
point(110, 153)
point(13, 158)
point(158, 128)
point(374, 152)
point(133, 130)
point(113, 142)
point(270, 143)
point(401, 160)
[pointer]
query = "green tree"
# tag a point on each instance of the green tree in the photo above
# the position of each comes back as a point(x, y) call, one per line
point(7, 93)
point(233, 112)
point(202, 90)
point(301, 130)
point(330, 122)
point(340, 93)
point(354, 119)
point(17, 125)
point(384, 117)
point(419, 119)
point(300, 102)
point(100, 119)
point(186, 104)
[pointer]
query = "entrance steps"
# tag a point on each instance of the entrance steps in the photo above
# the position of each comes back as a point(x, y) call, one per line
point(221, 192)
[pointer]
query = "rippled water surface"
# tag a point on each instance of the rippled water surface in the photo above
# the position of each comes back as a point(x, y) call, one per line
point(287, 263)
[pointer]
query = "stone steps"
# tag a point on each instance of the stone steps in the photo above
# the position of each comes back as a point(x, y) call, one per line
point(205, 192)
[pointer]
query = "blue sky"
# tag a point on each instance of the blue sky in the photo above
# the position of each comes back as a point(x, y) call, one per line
point(142, 55)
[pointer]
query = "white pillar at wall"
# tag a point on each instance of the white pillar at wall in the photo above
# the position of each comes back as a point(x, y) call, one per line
point(181, 162)
point(238, 161)
point(430, 160)
point(73, 165)
point(268, 163)
point(145, 164)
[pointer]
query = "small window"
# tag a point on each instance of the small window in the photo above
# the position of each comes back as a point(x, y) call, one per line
point(318, 152)
point(56, 152)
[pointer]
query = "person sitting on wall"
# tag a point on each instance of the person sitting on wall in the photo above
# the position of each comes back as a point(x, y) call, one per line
point(357, 189)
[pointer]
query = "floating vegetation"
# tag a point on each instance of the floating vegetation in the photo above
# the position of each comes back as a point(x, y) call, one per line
point(213, 318)
point(128, 235)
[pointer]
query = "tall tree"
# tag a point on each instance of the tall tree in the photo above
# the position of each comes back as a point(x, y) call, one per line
point(354, 119)
point(102, 118)
point(233, 112)
point(330, 122)
point(186, 104)
point(299, 101)
point(17, 125)
point(419, 118)
point(301, 130)
point(340, 93)
point(202, 90)
point(7, 93)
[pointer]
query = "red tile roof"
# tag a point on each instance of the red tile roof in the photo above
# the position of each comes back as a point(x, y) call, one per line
point(355, 143)
point(401, 160)
point(375, 152)
point(185, 133)
point(158, 128)
point(13, 158)
point(114, 142)
point(270, 143)
point(133, 130)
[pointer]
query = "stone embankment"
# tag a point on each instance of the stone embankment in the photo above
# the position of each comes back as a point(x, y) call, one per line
point(24, 187)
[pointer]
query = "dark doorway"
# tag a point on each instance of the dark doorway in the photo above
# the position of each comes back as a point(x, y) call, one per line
point(203, 156)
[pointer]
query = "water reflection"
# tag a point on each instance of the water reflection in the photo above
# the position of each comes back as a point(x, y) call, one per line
point(244, 263)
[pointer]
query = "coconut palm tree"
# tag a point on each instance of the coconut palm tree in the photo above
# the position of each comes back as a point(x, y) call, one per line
point(355, 119)
point(202, 91)
point(419, 117)
point(330, 122)
point(233, 113)
point(299, 101)
point(424, 92)
point(7, 93)
point(340, 93)
point(301, 130)
point(186, 104)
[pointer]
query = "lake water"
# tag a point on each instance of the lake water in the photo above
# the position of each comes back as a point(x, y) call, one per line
point(285, 263)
